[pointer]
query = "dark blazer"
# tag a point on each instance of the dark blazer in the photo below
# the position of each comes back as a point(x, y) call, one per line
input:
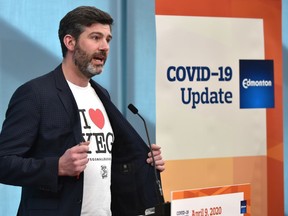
point(42, 121)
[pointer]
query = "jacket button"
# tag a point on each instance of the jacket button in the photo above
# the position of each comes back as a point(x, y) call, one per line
point(79, 201)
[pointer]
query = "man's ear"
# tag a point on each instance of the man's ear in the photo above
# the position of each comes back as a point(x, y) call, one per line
point(69, 42)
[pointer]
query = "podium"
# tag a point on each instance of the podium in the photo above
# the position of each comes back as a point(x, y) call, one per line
point(223, 200)
point(162, 209)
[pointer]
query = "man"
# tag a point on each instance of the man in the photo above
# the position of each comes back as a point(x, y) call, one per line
point(61, 132)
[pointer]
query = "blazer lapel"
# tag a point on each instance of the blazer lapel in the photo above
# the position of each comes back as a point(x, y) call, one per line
point(66, 97)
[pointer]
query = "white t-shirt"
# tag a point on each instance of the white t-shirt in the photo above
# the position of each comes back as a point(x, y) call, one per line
point(97, 129)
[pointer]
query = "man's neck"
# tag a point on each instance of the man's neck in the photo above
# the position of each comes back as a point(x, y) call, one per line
point(73, 75)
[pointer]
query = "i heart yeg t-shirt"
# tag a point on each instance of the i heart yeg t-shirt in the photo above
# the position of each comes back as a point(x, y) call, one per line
point(96, 128)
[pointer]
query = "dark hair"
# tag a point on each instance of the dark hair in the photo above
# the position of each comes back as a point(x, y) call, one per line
point(75, 21)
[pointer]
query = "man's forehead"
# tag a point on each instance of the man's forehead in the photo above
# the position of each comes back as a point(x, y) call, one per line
point(98, 27)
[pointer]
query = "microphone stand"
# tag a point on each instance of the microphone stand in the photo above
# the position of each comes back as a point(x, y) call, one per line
point(162, 209)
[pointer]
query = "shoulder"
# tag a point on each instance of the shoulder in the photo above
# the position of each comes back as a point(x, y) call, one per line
point(37, 86)
point(41, 82)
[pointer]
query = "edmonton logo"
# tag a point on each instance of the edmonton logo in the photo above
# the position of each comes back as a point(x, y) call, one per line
point(256, 84)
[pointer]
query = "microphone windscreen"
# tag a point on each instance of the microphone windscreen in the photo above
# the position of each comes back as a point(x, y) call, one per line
point(132, 108)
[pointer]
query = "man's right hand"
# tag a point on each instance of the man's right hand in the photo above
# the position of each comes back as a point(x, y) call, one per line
point(74, 160)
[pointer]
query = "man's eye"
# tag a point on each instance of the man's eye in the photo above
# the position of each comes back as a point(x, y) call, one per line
point(95, 38)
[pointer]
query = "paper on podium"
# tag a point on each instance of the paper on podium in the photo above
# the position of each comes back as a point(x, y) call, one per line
point(224, 201)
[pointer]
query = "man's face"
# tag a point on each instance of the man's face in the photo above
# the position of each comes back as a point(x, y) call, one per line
point(92, 48)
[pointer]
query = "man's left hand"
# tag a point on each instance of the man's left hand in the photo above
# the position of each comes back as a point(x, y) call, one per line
point(159, 162)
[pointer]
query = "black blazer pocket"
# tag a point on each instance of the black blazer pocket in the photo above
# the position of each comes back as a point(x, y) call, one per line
point(43, 207)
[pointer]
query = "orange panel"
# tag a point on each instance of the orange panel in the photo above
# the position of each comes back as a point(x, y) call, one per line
point(270, 12)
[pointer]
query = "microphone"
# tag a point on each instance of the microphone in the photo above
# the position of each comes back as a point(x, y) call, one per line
point(134, 110)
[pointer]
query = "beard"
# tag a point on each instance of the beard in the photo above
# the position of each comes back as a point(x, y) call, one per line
point(84, 62)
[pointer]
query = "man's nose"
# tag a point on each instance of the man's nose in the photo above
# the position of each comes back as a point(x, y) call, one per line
point(104, 45)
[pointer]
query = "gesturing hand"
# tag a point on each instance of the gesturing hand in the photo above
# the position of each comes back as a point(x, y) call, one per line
point(74, 160)
point(159, 162)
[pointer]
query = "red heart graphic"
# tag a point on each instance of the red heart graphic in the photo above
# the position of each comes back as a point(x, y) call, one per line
point(97, 117)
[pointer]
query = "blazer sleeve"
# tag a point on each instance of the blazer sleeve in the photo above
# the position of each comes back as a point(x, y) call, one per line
point(19, 134)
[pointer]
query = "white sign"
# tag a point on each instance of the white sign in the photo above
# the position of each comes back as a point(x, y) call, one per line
point(221, 205)
point(197, 91)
